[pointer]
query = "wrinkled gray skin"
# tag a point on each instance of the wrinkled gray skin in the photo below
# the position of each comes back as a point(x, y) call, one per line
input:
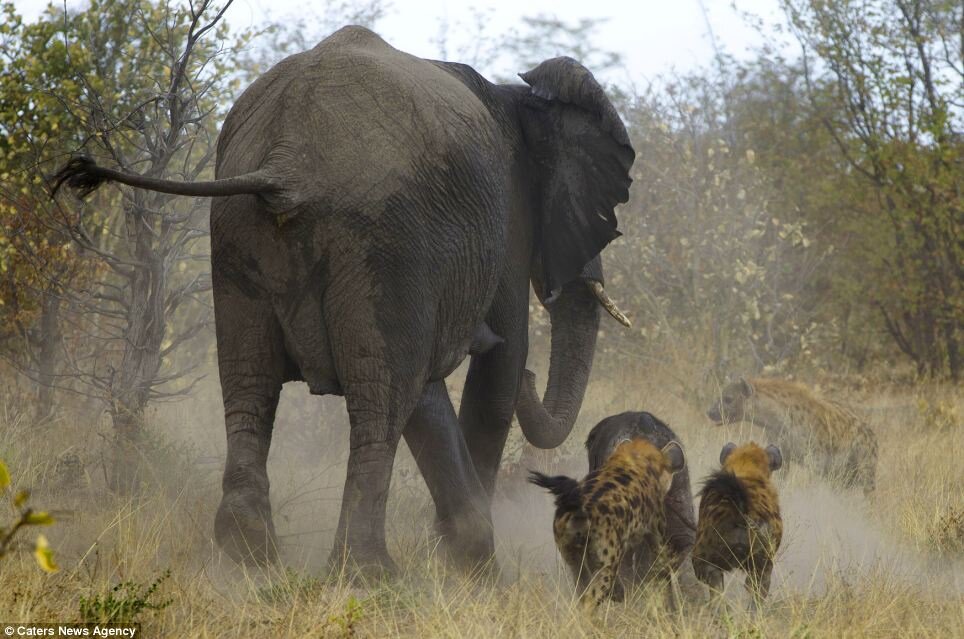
point(376, 217)
point(678, 504)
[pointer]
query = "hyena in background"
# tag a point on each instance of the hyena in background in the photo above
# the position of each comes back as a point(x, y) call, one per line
point(739, 519)
point(843, 446)
point(614, 508)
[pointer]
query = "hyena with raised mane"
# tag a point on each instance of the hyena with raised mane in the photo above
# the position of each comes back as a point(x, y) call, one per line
point(842, 445)
point(739, 519)
point(614, 508)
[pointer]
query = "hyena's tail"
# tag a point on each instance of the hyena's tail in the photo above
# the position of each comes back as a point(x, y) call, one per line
point(566, 490)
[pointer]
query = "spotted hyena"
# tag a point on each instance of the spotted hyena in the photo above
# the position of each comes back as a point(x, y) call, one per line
point(639, 564)
point(614, 508)
point(842, 445)
point(739, 518)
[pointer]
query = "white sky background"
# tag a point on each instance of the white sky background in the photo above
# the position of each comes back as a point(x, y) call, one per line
point(653, 37)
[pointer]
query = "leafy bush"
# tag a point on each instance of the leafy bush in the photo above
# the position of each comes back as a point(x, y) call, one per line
point(346, 621)
point(26, 517)
point(124, 603)
point(293, 586)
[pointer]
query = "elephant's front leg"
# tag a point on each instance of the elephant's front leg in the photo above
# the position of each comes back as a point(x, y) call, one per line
point(463, 517)
point(489, 396)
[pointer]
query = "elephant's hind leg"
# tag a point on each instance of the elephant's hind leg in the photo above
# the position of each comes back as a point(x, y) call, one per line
point(463, 518)
point(251, 364)
point(379, 403)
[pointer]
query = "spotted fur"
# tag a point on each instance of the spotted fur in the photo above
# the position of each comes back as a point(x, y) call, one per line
point(639, 565)
point(614, 508)
point(840, 444)
point(739, 523)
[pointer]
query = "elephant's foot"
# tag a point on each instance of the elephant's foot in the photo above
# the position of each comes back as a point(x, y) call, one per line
point(244, 530)
point(467, 542)
point(367, 564)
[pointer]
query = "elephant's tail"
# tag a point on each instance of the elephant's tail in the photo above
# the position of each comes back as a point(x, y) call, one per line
point(566, 489)
point(84, 176)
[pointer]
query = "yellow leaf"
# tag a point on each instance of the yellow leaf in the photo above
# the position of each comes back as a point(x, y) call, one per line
point(21, 498)
point(44, 555)
point(4, 476)
point(39, 519)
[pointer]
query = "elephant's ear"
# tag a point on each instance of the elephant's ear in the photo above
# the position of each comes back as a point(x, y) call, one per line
point(584, 155)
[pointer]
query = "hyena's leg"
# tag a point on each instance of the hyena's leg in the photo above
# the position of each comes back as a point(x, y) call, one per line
point(575, 559)
point(712, 576)
point(618, 590)
point(603, 585)
point(707, 568)
point(758, 574)
point(571, 533)
point(867, 476)
point(668, 574)
point(843, 468)
point(864, 459)
point(601, 565)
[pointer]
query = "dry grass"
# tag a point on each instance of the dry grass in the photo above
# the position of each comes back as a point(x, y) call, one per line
point(888, 566)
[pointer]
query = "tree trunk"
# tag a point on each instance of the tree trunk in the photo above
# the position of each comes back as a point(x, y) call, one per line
point(50, 337)
point(124, 462)
point(141, 360)
point(954, 362)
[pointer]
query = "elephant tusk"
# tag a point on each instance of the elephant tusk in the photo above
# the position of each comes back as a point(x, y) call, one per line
point(607, 303)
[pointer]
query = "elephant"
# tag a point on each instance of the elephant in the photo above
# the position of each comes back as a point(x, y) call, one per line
point(678, 504)
point(376, 219)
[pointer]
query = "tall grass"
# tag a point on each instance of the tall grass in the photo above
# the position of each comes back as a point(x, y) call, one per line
point(849, 566)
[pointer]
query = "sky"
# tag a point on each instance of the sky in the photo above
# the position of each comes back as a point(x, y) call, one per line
point(653, 37)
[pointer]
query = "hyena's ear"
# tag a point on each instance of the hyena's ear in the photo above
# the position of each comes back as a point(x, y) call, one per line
point(729, 448)
point(674, 456)
point(745, 387)
point(775, 457)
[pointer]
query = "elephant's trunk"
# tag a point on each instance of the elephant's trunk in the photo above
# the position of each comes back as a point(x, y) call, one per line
point(575, 320)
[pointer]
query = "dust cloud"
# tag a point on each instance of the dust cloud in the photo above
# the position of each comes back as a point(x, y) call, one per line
point(832, 536)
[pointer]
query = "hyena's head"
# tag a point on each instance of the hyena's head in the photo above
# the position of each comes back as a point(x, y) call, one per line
point(641, 455)
point(751, 456)
point(733, 405)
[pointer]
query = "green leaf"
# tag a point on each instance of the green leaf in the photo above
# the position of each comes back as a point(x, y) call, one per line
point(39, 519)
point(44, 555)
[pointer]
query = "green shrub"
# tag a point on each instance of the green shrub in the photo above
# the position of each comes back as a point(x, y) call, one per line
point(123, 603)
point(26, 517)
